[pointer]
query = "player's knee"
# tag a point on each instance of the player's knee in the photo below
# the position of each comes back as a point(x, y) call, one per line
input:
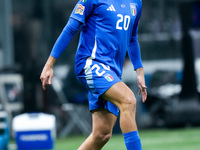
point(102, 136)
point(128, 103)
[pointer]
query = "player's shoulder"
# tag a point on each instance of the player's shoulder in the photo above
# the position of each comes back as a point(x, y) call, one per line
point(138, 2)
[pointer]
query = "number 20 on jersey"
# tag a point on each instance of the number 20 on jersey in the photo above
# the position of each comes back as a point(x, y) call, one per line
point(123, 22)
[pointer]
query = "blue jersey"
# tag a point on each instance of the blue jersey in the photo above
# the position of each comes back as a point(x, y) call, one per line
point(109, 27)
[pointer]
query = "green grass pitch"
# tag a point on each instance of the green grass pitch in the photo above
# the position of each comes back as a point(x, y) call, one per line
point(157, 139)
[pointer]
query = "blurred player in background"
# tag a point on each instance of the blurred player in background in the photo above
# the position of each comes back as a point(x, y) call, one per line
point(108, 30)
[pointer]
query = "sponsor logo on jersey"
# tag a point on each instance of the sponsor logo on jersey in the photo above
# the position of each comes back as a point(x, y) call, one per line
point(80, 9)
point(109, 77)
point(122, 5)
point(83, 1)
point(111, 8)
point(133, 9)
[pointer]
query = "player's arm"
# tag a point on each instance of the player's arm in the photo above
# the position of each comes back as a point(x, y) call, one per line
point(47, 72)
point(135, 57)
point(141, 83)
point(65, 37)
point(134, 48)
point(81, 11)
point(60, 45)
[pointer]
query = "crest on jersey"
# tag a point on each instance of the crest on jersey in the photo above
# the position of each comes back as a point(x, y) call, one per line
point(133, 9)
point(108, 77)
point(80, 9)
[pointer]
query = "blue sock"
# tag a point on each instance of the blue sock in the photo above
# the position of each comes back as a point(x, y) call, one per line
point(132, 140)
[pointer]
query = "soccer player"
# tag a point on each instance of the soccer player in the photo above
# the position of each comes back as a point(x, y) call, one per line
point(108, 30)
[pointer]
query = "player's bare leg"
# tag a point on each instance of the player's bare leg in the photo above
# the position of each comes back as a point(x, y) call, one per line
point(103, 122)
point(120, 95)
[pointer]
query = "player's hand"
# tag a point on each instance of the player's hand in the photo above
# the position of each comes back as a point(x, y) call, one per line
point(141, 84)
point(46, 76)
point(142, 88)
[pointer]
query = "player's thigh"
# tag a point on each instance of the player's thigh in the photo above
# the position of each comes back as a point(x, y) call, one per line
point(119, 94)
point(103, 121)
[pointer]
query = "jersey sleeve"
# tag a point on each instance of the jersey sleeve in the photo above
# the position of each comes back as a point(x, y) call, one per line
point(82, 10)
point(135, 27)
point(65, 37)
point(134, 48)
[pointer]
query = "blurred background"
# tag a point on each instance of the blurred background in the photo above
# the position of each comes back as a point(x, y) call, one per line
point(169, 37)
